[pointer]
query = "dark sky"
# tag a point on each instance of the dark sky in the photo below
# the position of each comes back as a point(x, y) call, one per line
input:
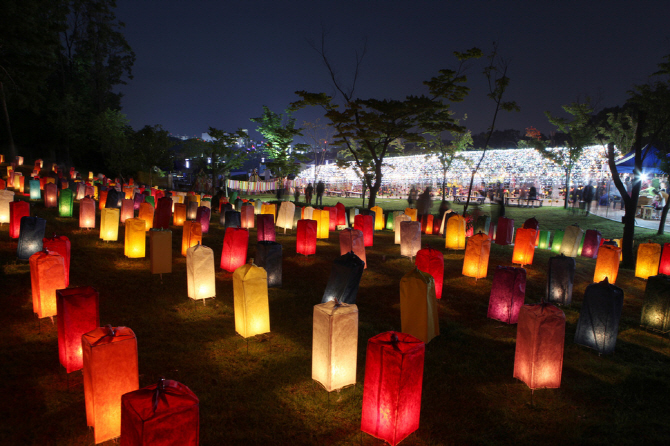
point(216, 63)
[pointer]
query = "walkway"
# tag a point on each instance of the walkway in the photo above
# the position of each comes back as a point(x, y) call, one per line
point(616, 214)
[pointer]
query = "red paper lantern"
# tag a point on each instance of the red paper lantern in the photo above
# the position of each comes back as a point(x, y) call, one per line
point(78, 313)
point(47, 274)
point(592, 240)
point(508, 291)
point(305, 242)
point(164, 213)
point(524, 246)
point(431, 261)
point(351, 240)
point(103, 199)
point(163, 414)
point(332, 218)
point(235, 244)
point(17, 210)
point(266, 228)
point(341, 214)
point(61, 245)
point(365, 224)
point(504, 231)
point(664, 266)
point(392, 386)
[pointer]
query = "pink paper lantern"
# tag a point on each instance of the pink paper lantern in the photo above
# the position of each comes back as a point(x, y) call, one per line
point(508, 292)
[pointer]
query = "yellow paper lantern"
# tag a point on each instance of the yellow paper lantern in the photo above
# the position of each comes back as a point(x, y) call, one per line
point(648, 260)
point(135, 240)
point(418, 305)
point(200, 272)
point(271, 209)
point(109, 224)
point(250, 295)
point(607, 264)
point(412, 213)
point(6, 197)
point(455, 235)
point(476, 260)
point(322, 223)
point(379, 217)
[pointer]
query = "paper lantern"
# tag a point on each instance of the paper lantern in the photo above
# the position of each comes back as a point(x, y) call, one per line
point(87, 213)
point(35, 192)
point(203, 216)
point(191, 210)
point(560, 279)
point(455, 233)
point(341, 214)
point(269, 257)
point(413, 213)
point(266, 228)
point(163, 214)
point(50, 195)
point(30, 240)
point(353, 212)
point(47, 274)
point(17, 210)
point(410, 238)
point(332, 217)
point(102, 203)
point(78, 313)
point(544, 239)
point(114, 199)
point(109, 224)
point(61, 245)
point(322, 223)
point(504, 231)
point(540, 335)
point(127, 210)
point(160, 251)
point(135, 238)
point(557, 242)
point(648, 260)
point(191, 235)
point(179, 216)
point(396, 226)
point(6, 197)
point(598, 323)
point(65, 203)
point(234, 253)
point(482, 224)
point(524, 246)
point(110, 370)
point(345, 277)
point(138, 199)
point(656, 308)
point(365, 224)
point(379, 218)
point(431, 261)
point(418, 305)
point(427, 224)
point(147, 214)
point(305, 242)
point(392, 387)
point(19, 182)
point(334, 344)
point(247, 216)
point(389, 219)
point(351, 240)
point(664, 265)
point(200, 272)
point(233, 219)
point(476, 259)
point(80, 191)
point(128, 192)
point(250, 295)
point(268, 209)
point(607, 265)
point(163, 414)
point(508, 292)
point(591, 242)
point(572, 238)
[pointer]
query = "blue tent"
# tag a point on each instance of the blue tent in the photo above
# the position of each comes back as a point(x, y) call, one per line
point(650, 161)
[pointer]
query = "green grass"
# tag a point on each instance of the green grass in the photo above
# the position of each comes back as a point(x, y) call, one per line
point(267, 396)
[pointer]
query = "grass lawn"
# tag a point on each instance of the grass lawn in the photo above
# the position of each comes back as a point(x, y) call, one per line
point(267, 396)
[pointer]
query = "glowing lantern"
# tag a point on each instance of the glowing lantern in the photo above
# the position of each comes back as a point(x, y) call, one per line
point(109, 225)
point(308, 213)
point(418, 305)
point(504, 231)
point(345, 277)
point(297, 215)
point(6, 197)
point(598, 323)
point(103, 199)
point(413, 213)
point(250, 296)
point(160, 251)
point(560, 279)
point(47, 274)
point(334, 344)
point(341, 215)
point(19, 161)
point(191, 235)
point(233, 219)
point(482, 224)
point(135, 239)
point(128, 192)
point(322, 223)
point(365, 224)
point(591, 242)
point(508, 291)
point(127, 210)
point(138, 199)
point(396, 224)
point(351, 240)
point(379, 217)
point(247, 216)
point(87, 213)
point(30, 240)
point(648, 260)
point(437, 222)
point(200, 272)
point(524, 246)
point(61, 245)
point(427, 224)
point(455, 233)
point(162, 414)
point(410, 238)
point(179, 216)
point(431, 261)
point(147, 214)
point(164, 212)
point(544, 238)
point(266, 228)
point(540, 335)
point(353, 212)
point(65, 203)
point(656, 308)
point(17, 210)
point(557, 242)
point(269, 257)
point(270, 209)
point(191, 210)
point(35, 192)
point(203, 216)
point(80, 191)
point(110, 370)
point(392, 386)
point(10, 176)
point(234, 253)
point(305, 242)
point(113, 199)
point(476, 259)
point(78, 313)
point(607, 265)
point(19, 182)
point(390, 217)
point(572, 238)
point(664, 266)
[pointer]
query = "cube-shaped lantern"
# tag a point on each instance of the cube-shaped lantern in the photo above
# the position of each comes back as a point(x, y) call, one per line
point(35, 192)
point(540, 336)
point(269, 257)
point(50, 195)
point(6, 197)
point(87, 213)
point(109, 224)
point(476, 259)
point(17, 210)
point(322, 223)
point(247, 216)
point(160, 251)
point(648, 260)
point(30, 240)
point(266, 228)
point(524, 246)
point(65, 203)
point(110, 370)
point(418, 305)
point(572, 238)
point(413, 213)
point(250, 295)
point(305, 242)
point(191, 235)
point(61, 245)
point(392, 386)
point(165, 414)
point(202, 216)
point(351, 240)
point(504, 231)
point(334, 344)
point(163, 213)
point(233, 219)
point(544, 240)
point(47, 274)
point(365, 224)
point(396, 226)
point(557, 242)
point(135, 238)
point(508, 292)
point(560, 279)
point(127, 210)
point(102, 203)
point(598, 323)
point(664, 265)
point(591, 244)
point(431, 261)
point(455, 233)
point(656, 308)
point(345, 277)
point(200, 273)
point(607, 265)
point(234, 253)
point(179, 216)
point(78, 313)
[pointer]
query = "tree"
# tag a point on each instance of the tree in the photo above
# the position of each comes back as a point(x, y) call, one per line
point(318, 135)
point(225, 153)
point(152, 145)
point(580, 133)
point(448, 151)
point(113, 135)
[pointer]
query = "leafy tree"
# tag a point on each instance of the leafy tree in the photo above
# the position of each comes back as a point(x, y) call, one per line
point(225, 153)
point(152, 145)
point(318, 134)
point(448, 150)
point(113, 135)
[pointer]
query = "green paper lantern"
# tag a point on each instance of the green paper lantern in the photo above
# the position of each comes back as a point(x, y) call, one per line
point(65, 203)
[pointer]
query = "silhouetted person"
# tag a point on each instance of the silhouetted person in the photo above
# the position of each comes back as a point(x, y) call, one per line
point(309, 190)
point(320, 188)
point(587, 196)
point(412, 196)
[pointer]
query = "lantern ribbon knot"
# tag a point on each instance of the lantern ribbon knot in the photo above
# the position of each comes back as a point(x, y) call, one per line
point(159, 394)
point(111, 333)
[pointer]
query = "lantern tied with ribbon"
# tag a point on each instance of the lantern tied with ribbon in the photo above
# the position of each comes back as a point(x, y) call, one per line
point(345, 277)
point(476, 259)
point(392, 387)
point(30, 240)
point(334, 344)
point(598, 323)
point(162, 414)
point(17, 210)
point(269, 257)
point(648, 260)
point(504, 231)
point(110, 370)
point(305, 242)
point(78, 313)
point(135, 238)
point(250, 295)
point(351, 240)
point(410, 238)
point(524, 246)
point(418, 305)
point(47, 274)
point(572, 239)
point(591, 243)
point(455, 233)
point(200, 274)
point(508, 292)
point(266, 228)
point(431, 261)
point(656, 308)
point(607, 265)
point(235, 245)
point(160, 251)
point(540, 336)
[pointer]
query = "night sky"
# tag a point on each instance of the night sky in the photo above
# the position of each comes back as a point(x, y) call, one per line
point(216, 63)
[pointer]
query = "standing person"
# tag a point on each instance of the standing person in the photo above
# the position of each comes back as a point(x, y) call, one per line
point(425, 203)
point(587, 197)
point(320, 188)
point(308, 194)
point(412, 197)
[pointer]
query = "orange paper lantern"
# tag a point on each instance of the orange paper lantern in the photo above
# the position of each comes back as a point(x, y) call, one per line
point(455, 233)
point(607, 264)
point(524, 246)
point(47, 274)
point(179, 216)
point(191, 235)
point(135, 239)
point(147, 214)
point(476, 259)
point(648, 260)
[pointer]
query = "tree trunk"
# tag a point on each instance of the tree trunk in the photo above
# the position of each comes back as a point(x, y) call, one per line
point(12, 148)
point(567, 188)
point(444, 184)
point(664, 215)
